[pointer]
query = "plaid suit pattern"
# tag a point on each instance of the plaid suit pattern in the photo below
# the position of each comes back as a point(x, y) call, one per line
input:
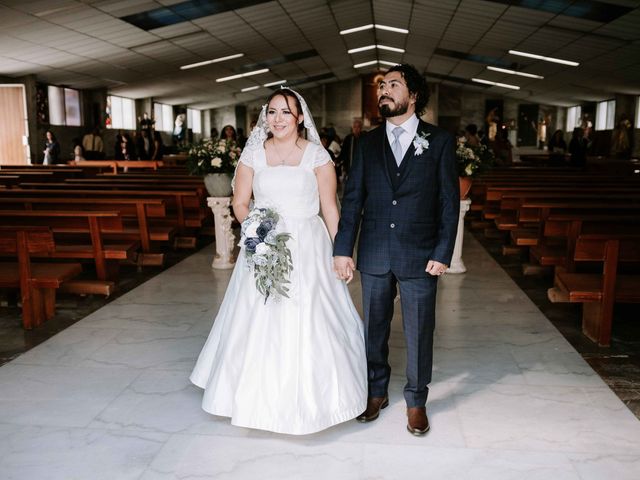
point(406, 215)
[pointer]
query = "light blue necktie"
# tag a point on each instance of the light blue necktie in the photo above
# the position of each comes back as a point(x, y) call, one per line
point(396, 147)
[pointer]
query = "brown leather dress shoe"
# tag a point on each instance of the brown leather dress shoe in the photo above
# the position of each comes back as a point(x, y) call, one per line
point(417, 421)
point(374, 405)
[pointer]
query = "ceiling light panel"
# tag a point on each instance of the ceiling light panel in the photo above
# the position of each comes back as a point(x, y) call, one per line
point(495, 84)
point(514, 72)
point(536, 56)
point(357, 29)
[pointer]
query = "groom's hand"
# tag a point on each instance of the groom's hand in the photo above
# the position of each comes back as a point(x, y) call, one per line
point(436, 268)
point(344, 267)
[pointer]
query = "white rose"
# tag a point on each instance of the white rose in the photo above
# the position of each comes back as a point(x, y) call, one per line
point(262, 248)
point(252, 230)
point(216, 162)
point(469, 170)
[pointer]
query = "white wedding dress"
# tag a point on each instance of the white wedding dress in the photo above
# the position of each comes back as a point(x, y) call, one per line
point(296, 365)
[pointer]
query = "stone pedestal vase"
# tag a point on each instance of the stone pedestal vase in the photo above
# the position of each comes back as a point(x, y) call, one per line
point(218, 184)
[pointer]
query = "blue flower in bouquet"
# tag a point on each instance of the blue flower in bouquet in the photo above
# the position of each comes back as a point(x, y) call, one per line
point(251, 243)
point(267, 253)
point(264, 228)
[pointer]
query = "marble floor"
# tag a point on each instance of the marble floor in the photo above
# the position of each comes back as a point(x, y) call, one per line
point(109, 397)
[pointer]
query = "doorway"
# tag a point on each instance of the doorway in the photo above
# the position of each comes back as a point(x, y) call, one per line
point(14, 131)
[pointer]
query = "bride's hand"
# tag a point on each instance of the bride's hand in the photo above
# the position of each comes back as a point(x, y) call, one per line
point(344, 267)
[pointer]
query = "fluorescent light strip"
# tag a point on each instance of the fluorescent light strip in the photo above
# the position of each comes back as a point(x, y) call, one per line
point(271, 84)
point(542, 57)
point(356, 29)
point(370, 26)
point(241, 75)
point(248, 89)
point(365, 64)
point(361, 49)
point(391, 49)
point(371, 47)
point(503, 85)
point(373, 62)
point(391, 29)
point(513, 72)
point(209, 62)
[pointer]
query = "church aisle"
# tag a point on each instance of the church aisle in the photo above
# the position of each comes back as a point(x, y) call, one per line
point(110, 398)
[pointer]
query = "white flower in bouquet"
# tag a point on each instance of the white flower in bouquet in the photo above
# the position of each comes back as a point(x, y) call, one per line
point(271, 238)
point(216, 162)
point(252, 229)
point(262, 249)
point(260, 260)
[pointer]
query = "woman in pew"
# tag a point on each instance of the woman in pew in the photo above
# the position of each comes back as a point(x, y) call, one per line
point(51, 149)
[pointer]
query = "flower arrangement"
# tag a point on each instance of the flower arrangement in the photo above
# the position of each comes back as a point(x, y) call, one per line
point(266, 252)
point(213, 156)
point(472, 159)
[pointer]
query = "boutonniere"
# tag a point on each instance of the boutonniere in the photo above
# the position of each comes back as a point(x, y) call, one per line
point(420, 142)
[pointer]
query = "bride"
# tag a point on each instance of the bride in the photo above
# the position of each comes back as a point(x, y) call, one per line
point(293, 363)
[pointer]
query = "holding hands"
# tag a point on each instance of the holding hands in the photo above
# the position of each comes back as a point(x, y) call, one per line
point(344, 267)
point(436, 268)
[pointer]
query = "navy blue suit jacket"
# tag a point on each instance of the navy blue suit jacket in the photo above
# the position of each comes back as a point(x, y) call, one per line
point(406, 226)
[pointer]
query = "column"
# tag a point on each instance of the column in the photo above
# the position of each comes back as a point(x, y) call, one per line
point(225, 239)
point(457, 265)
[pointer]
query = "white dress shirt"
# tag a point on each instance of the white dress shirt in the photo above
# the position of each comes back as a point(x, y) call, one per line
point(410, 128)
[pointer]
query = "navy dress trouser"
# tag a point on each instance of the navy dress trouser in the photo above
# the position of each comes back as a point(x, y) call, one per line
point(418, 299)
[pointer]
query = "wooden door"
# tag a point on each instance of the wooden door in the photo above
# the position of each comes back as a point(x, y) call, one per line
point(14, 145)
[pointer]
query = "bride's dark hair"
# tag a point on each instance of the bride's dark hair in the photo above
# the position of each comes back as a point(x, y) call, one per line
point(288, 94)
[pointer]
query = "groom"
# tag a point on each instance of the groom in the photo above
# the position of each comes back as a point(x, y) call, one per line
point(403, 188)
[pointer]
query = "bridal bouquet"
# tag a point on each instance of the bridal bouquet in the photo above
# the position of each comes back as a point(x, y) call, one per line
point(267, 253)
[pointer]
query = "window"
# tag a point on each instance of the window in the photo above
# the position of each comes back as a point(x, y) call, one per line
point(638, 112)
point(163, 116)
point(573, 117)
point(121, 113)
point(194, 120)
point(64, 106)
point(605, 114)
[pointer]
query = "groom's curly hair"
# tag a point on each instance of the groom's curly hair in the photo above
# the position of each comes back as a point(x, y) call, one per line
point(416, 84)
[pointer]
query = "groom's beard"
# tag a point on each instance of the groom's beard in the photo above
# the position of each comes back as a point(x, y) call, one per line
point(386, 111)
